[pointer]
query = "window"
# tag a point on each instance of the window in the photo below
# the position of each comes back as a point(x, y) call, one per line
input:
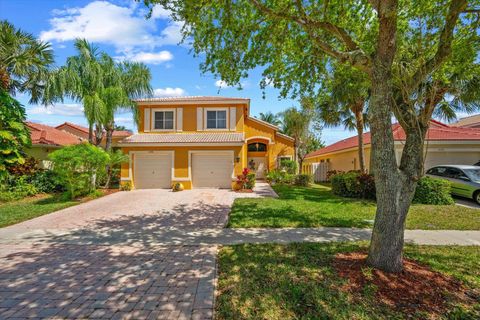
point(216, 119)
point(257, 147)
point(437, 171)
point(163, 120)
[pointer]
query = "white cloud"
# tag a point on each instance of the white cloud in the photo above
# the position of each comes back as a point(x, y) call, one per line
point(169, 92)
point(221, 84)
point(149, 57)
point(72, 109)
point(158, 12)
point(123, 27)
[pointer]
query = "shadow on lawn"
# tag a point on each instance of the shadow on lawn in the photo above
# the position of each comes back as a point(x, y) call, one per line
point(294, 281)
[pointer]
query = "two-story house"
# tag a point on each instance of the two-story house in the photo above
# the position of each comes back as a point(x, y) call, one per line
point(200, 142)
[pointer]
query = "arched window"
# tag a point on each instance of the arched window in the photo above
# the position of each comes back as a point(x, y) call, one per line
point(257, 147)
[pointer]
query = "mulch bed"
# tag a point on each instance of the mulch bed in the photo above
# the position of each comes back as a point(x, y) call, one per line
point(416, 288)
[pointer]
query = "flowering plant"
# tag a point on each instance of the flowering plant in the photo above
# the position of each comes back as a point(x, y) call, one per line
point(246, 180)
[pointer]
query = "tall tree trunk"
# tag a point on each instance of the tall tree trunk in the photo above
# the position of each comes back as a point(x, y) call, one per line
point(360, 124)
point(386, 244)
point(98, 134)
point(108, 138)
point(4, 79)
point(90, 133)
point(108, 146)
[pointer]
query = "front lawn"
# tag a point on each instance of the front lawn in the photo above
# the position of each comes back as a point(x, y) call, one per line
point(302, 281)
point(316, 206)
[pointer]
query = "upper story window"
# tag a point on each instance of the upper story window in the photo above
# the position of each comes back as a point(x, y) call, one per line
point(163, 120)
point(257, 147)
point(216, 119)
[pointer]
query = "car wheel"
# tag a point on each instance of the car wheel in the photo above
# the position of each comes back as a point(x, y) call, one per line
point(476, 196)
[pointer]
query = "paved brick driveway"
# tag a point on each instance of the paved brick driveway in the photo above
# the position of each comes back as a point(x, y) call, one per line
point(42, 276)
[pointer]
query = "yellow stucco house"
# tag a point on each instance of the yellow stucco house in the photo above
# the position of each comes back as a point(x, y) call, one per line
point(200, 142)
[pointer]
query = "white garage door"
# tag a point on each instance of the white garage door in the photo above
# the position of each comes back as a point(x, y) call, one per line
point(212, 170)
point(153, 171)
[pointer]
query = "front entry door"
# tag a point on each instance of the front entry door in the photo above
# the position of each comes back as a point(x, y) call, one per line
point(258, 165)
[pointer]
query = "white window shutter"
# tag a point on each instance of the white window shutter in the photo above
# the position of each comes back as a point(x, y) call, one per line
point(146, 119)
point(233, 118)
point(179, 119)
point(199, 119)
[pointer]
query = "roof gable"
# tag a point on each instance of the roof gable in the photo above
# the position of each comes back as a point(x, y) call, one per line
point(47, 135)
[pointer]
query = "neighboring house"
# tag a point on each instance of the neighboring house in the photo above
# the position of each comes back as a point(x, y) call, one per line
point(82, 132)
point(468, 122)
point(444, 145)
point(46, 139)
point(200, 142)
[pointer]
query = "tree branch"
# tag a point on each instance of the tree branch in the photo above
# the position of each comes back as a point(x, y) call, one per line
point(444, 44)
point(354, 56)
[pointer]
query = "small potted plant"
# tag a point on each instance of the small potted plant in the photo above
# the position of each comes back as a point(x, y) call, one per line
point(178, 187)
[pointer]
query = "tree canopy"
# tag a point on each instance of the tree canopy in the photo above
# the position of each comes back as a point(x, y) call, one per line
point(404, 47)
point(25, 61)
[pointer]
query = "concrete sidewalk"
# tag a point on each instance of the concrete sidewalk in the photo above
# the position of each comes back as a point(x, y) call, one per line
point(214, 236)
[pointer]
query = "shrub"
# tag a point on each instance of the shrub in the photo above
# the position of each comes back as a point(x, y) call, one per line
point(47, 181)
point(17, 188)
point(78, 166)
point(289, 165)
point(251, 180)
point(29, 167)
point(354, 185)
point(303, 180)
point(246, 180)
point(433, 191)
point(126, 186)
point(280, 176)
point(332, 173)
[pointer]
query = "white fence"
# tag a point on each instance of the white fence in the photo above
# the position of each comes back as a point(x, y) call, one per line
point(318, 170)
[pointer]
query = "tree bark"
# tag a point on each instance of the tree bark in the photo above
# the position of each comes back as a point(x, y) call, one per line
point(90, 133)
point(108, 138)
point(108, 146)
point(358, 111)
point(98, 135)
point(386, 244)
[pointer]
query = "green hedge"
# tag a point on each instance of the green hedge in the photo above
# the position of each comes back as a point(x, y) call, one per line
point(354, 185)
point(433, 191)
point(357, 185)
point(303, 180)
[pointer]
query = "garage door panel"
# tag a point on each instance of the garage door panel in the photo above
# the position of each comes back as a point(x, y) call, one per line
point(153, 171)
point(212, 170)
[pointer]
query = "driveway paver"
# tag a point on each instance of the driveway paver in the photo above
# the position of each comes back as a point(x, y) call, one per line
point(57, 266)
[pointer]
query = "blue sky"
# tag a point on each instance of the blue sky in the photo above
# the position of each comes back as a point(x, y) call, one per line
point(119, 28)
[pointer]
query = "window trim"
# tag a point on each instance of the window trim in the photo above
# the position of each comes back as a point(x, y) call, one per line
point(152, 120)
point(227, 120)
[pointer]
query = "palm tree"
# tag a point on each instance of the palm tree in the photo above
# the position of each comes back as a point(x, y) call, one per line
point(297, 124)
point(122, 82)
point(25, 62)
point(344, 102)
point(82, 79)
point(270, 118)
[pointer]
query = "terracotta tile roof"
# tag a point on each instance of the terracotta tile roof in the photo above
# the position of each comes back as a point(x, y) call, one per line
point(43, 134)
point(437, 132)
point(199, 137)
point(116, 133)
point(193, 99)
point(468, 121)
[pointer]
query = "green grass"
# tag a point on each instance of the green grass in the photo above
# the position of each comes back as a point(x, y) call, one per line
point(316, 206)
point(296, 281)
point(28, 208)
